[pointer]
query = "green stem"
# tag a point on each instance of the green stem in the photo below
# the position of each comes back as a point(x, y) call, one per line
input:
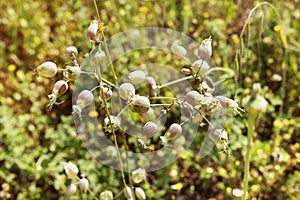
point(251, 122)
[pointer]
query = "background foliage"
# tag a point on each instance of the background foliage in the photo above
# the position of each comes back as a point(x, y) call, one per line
point(34, 142)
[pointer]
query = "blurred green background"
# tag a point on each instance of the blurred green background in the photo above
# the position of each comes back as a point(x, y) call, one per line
point(34, 142)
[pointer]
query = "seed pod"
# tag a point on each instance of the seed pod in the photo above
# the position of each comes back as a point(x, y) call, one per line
point(71, 52)
point(75, 69)
point(47, 69)
point(71, 169)
point(139, 104)
point(83, 185)
point(85, 98)
point(174, 131)
point(137, 77)
point(106, 92)
point(60, 87)
point(200, 66)
point(207, 85)
point(71, 190)
point(115, 123)
point(205, 49)
point(177, 49)
point(226, 102)
point(149, 129)
point(186, 109)
point(139, 175)
point(140, 194)
point(193, 97)
point(106, 195)
point(151, 82)
point(92, 32)
point(128, 193)
point(126, 91)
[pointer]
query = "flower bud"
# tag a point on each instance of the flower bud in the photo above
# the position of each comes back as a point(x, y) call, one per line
point(128, 193)
point(200, 66)
point(83, 185)
point(193, 97)
point(60, 87)
point(115, 123)
point(205, 49)
point(106, 195)
point(47, 69)
point(137, 77)
point(149, 129)
point(92, 32)
point(126, 91)
point(139, 175)
point(174, 131)
point(71, 190)
point(139, 104)
point(186, 71)
point(71, 169)
point(256, 102)
point(85, 98)
point(71, 52)
point(140, 194)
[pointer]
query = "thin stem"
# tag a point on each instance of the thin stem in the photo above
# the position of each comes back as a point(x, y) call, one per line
point(96, 7)
point(172, 98)
point(109, 58)
point(176, 81)
point(251, 122)
point(219, 69)
point(161, 104)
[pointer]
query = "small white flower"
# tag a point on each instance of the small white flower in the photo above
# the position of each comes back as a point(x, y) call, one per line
point(139, 175)
point(71, 169)
point(140, 194)
point(71, 190)
point(47, 69)
point(92, 32)
point(83, 185)
point(237, 192)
